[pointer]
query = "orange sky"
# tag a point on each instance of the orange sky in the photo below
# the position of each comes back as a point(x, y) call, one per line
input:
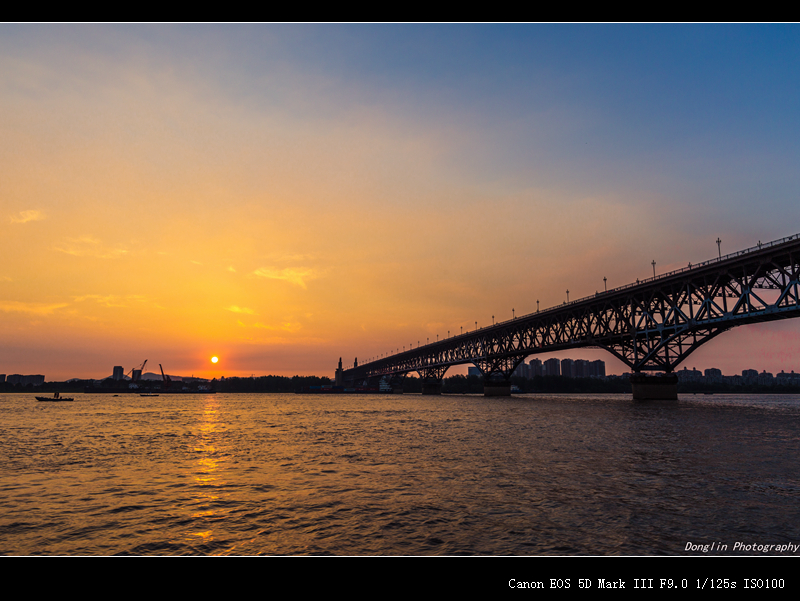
point(166, 196)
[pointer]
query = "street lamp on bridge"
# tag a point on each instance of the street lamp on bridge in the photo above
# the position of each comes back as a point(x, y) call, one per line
point(719, 250)
point(654, 268)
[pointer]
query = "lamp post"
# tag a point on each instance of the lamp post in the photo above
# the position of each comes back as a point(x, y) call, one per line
point(567, 295)
point(513, 315)
point(605, 286)
point(654, 268)
point(719, 250)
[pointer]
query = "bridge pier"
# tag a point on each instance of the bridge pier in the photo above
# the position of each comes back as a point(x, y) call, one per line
point(431, 386)
point(397, 384)
point(497, 388)
point(654, 388)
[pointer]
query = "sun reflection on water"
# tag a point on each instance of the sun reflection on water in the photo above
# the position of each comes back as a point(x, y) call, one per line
point(206, 472)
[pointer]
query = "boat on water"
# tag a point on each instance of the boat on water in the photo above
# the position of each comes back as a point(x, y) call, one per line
point(56, 398)
point(147, 394)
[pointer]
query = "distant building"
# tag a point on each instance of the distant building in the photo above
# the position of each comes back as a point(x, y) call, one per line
point(552, 367)
point(474, 371)
point(522, 371)
point(749, 377)
point(785, 379)
point(119, 373)
point(713, 375)
point(37, 380)
point(686, 375)
point(536, 367)
point(568, 368)
point(2, 378)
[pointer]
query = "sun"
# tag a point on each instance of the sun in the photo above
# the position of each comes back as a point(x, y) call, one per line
point(214, 359)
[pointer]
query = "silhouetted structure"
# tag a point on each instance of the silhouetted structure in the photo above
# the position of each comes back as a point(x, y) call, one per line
point(651, 326)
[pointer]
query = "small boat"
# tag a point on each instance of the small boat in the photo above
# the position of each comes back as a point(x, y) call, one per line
point(147, 394)
point(56, 398)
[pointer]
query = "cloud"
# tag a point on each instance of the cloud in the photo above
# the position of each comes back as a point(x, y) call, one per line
point(86, 246)
point(237, 309)
point(26, 216)
point(34, 308)
point(293, 275)
point(110, 300)
point(286, 327)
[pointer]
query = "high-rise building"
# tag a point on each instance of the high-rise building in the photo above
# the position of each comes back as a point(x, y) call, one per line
point(552, 367)
point(581, 368)
point(36, 380)
point(119, 373)
point(522, 371)
point(568, 368)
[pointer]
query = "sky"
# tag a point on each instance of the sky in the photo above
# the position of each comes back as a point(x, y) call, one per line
point(281, 196)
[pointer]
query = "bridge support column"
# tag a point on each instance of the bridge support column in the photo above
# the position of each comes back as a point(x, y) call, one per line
point(654, 388)
point(497, 388)
point(397, 384)
point(431, 386)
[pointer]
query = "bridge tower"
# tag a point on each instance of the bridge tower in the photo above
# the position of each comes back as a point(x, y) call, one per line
point(338, 378)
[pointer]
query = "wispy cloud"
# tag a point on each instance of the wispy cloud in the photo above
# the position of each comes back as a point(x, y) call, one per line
point(294, 275)
point(86, 246)
point(111, 300)
point(286, 327)
point(26, 216)
point(33, 308)
point(237, 309)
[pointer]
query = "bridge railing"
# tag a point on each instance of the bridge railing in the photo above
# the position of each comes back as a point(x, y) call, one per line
point(691, 266)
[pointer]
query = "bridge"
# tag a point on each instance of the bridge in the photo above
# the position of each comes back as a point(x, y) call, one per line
point(651, 325)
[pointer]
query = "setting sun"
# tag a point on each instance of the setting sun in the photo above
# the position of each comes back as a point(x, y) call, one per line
point(214, 359)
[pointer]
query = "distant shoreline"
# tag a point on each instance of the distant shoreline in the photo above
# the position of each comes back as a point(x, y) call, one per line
point(457, 384)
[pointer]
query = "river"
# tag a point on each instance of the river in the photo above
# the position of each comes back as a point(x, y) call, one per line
point(278, 474)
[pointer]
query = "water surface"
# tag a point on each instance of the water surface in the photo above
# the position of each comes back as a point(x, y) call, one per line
point(276, 474)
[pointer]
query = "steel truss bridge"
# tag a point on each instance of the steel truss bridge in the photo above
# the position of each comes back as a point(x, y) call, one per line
point(652, 325)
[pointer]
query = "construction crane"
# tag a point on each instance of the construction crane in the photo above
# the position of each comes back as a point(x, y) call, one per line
point(133, 376)
point(167, 381)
